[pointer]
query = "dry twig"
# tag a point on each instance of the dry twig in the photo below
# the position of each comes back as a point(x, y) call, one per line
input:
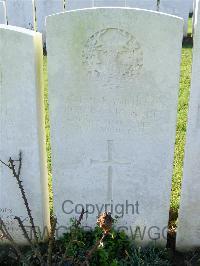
point(16, 173)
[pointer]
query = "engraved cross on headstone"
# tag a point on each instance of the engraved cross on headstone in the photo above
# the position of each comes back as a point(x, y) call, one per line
point(110, 162)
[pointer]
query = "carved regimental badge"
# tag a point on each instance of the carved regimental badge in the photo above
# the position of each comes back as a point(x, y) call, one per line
point(113, 53)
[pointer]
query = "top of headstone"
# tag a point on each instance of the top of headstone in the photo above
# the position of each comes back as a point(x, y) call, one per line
point(18, 29)
point(160, 14)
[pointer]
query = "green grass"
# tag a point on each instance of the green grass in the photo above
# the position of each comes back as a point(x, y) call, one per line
point(47, 126)
point(181, 126)
point(190, 26)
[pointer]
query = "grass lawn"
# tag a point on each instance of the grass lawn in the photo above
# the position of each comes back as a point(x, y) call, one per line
point(190, 25)
point(48, 132)
point(181, 126)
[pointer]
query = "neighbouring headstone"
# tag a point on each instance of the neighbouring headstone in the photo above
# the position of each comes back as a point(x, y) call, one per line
point(22, 129)
point(113, 106)
point(2, 13)
point(21, 13)
point(45, 8)
point(78, 4)
point(180, 8)
point(188, 232)
point(144, 4)
point(194, 16)
point(109, 3)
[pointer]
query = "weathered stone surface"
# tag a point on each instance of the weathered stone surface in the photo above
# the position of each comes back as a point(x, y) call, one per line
point(144, 4)
point(45, 8)
point(113, 89)
point(2, 13)
point(180, 8)
point(21, 13)
point(22, 128)
point(109, 3)
point(78, 4)
point(188, 233)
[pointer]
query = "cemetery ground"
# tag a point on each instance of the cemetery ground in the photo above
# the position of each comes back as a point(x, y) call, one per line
point(117, 249)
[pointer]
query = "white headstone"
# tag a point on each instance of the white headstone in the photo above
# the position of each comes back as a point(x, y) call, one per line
point(109, 3)
point(45, 8)
point(188, 233)
point(2, 13)
point(144, 4)
point(22, 128)
point(113, 105)
point(180, 8)
point(78, 4)
point(21, 13)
